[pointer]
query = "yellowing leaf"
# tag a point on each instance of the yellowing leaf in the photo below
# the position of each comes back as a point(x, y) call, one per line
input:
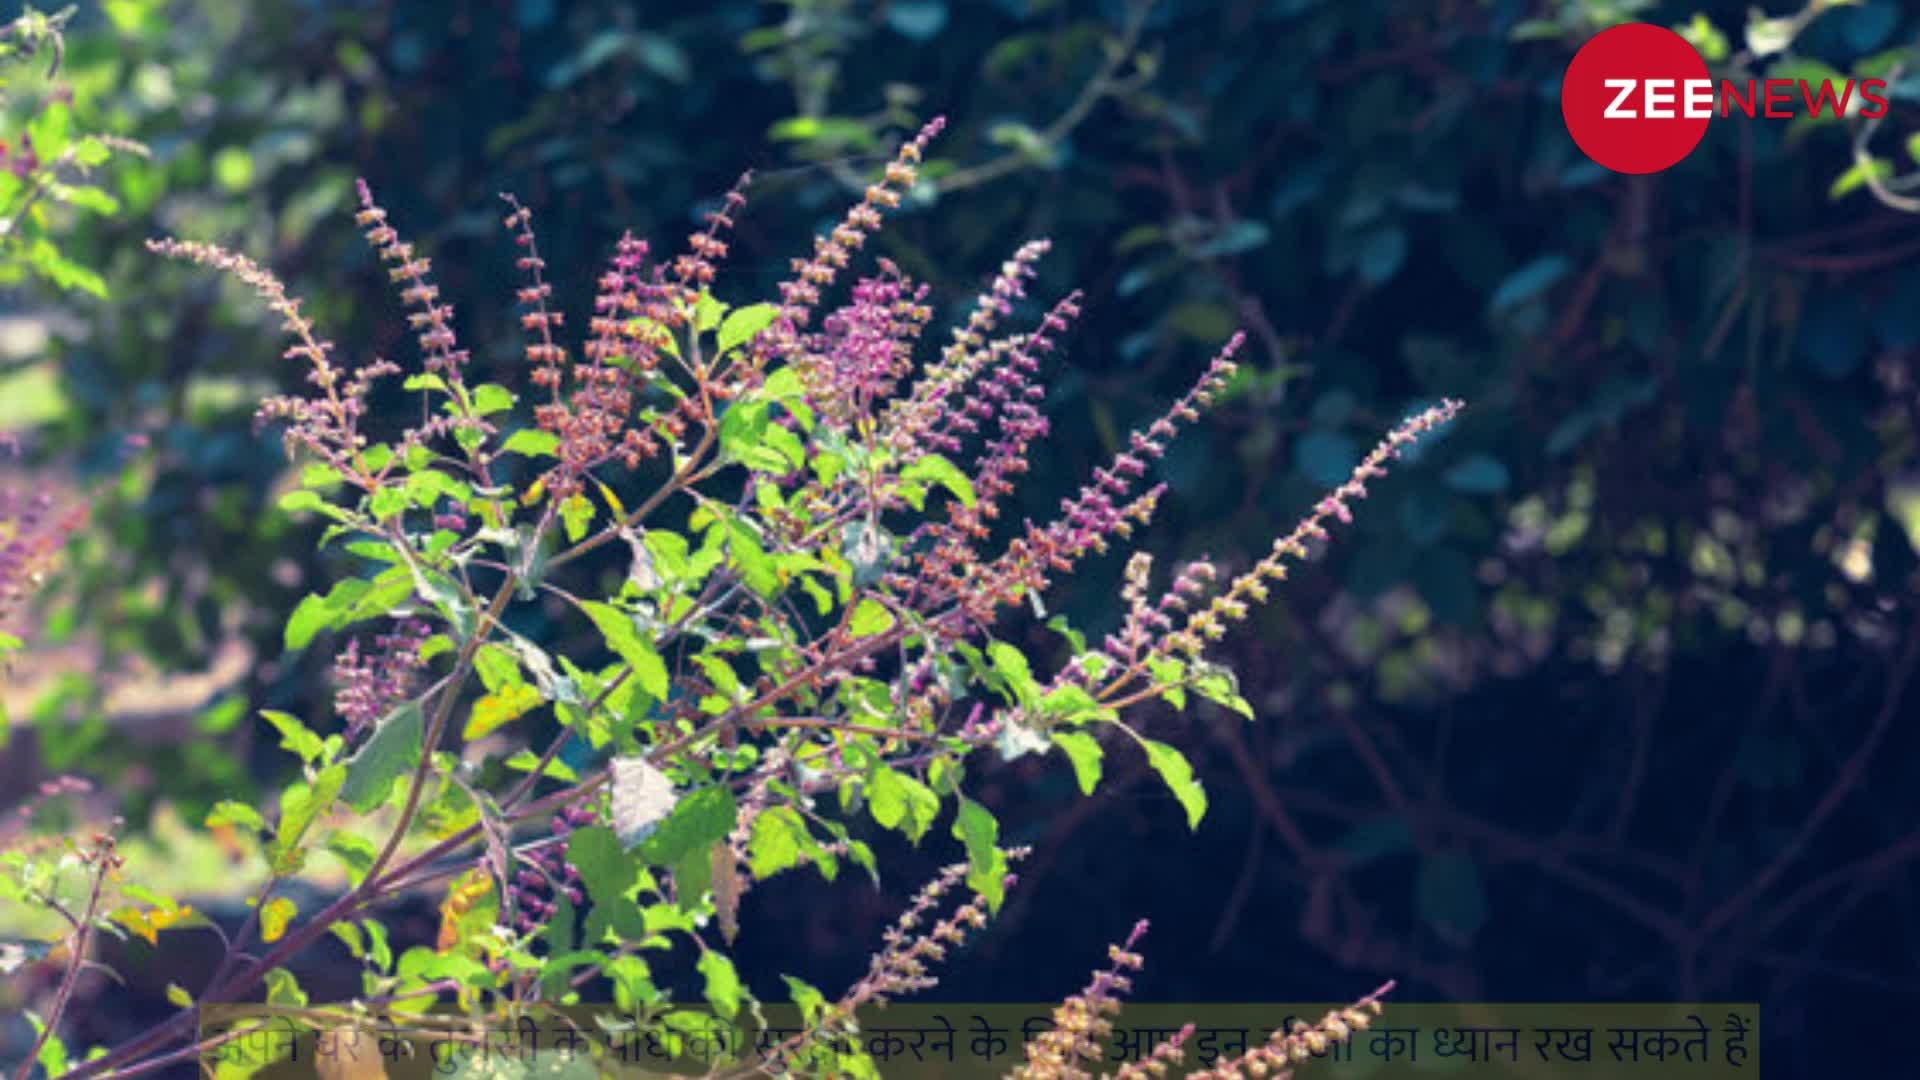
point(148, 922)
point(465, 892)
point(613, 501)
point(508, 704)
point(576, 514)
point(274, 918)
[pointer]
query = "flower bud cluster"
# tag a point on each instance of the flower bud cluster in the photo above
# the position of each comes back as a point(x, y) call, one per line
point(866, 346)
point(545, 875)
point(368, 685)
point(831, 254)
point(432, 322)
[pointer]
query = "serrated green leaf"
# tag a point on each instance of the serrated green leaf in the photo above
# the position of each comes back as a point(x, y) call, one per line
point(723, 989)
point(743, 324)
point(898, 801)
point(777, 842)
point(489, 398)
point(623, 637)
point(229, 812)
point(294, 735)
point(1083, 750)
point(532, 442)
point(934, 469)
point(502, 707)
point(701, 819)
point(870, 617)
point(1174, 768)
point(392, 749)
point(974, 826)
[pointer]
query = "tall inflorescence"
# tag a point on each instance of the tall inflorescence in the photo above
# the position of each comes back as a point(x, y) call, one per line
point(865, 347)
point(431, 321)
point(1286, 1049)
point(1209, 623)
point(918, 939)
point(800, 294)
point(1072, 1046)
point(327, 426)
point(589, 401)
point(32, 528)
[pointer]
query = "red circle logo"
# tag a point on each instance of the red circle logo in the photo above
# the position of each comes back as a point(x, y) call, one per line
point(1636, 98)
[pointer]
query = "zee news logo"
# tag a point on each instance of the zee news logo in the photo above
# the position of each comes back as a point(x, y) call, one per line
point(1637, 98)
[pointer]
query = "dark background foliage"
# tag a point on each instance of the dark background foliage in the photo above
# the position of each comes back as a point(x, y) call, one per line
point(1606, 696)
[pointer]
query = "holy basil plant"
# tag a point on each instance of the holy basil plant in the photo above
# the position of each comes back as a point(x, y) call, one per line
point(711, 594)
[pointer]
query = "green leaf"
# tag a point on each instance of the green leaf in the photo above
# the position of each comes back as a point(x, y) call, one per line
point(532, 442)
point(309, 617)
point(53, 1052)
point(1071, 704)
point(777, 842)
point(295, 736)
point(975, 826)
point(707, 312)
point(617, 627)
point(378, 949)
point(393, 748)
point(605, 868)
point(301, 803)
point(701, 819)
point(749, 559)
point(302, 500)
point(284, 989)
point(747, 435)
point(743, 324)
point(576, 513)
point(559, 965)
point(1856, 177)
point(489, 398)
point(1218, 685)
point(1083, 750)
point(354, 850)
point(496, 666)
point(1011, 665)
point(898, 801)
point(525, 760)
point(870, 617)
point(349, 601)
point(228, 812)
point(723, 983)
point(1178, 774)
point(934, 469)
point(806, 997)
